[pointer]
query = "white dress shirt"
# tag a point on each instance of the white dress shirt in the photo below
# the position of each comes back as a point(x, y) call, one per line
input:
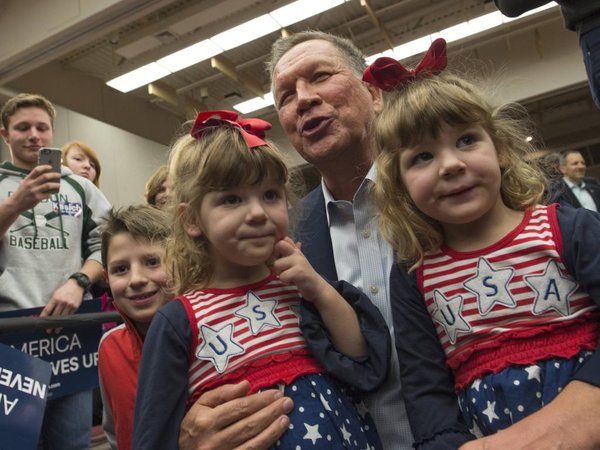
point(364, 259)
point(582, 194)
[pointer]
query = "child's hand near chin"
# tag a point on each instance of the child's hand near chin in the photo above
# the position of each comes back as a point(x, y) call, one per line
point(292, 267)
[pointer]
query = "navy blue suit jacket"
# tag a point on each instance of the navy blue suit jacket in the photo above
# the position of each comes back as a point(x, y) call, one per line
point(312, 230)
point(310, 222)
point(564, 195)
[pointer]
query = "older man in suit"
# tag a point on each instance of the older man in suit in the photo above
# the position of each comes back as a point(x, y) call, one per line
point(327, 113)
point(575, 188)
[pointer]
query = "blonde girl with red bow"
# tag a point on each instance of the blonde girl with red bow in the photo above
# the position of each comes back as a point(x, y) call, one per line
point(249, 305)
point(495, 297)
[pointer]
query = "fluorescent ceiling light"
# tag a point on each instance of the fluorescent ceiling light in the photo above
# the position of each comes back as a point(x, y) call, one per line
point(281, 17)
point(302, 9)
point(254, 104)
point(138, 77)
point(454, 33)
point(411, 48)
point(190, 55)
point(234, 37)
point(482, 23)
point(246, 32)
point(389, 53)
point(420, 45)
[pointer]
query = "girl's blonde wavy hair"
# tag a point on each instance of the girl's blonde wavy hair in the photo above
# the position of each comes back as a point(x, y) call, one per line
point(419, 110)
point(220, 159)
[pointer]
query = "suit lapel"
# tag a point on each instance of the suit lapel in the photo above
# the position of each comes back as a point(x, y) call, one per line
point(594, 192)
point(313, 233)
point(571, 198)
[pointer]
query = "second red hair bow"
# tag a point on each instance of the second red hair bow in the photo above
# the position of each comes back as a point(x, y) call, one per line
point(388, 74)
point(253, 130)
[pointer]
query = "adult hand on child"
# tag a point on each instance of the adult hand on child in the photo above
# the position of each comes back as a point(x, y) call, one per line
point(569, 422)
point(225, 418)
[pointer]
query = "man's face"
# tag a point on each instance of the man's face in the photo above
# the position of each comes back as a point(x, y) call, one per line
point(29, 129)
point(574, 168)
point(324, 107)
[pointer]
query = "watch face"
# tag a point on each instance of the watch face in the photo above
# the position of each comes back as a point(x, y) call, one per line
point(82, 279)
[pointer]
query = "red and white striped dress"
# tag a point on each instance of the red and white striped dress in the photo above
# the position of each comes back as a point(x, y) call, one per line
point(250, 332)
point(511, 303)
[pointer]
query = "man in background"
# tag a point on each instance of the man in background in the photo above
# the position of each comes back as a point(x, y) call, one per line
point(575, 188)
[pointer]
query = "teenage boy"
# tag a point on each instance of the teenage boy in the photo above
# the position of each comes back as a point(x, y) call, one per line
point(133, 253)
point(44, 238)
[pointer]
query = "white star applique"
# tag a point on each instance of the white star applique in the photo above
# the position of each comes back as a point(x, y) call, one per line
point(490, 286)
point(259, 313)
point(553, 290)
point(490, 411)
point(312, 433)
point(218, 346)
point(345, 433)
point(448, 314)
point(533, 372)
point(476, 384)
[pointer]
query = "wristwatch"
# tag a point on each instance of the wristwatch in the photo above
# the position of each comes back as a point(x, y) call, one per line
point(82, 280)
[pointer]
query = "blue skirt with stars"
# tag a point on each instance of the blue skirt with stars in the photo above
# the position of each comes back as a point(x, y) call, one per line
point(496, 401)
point(325, 416)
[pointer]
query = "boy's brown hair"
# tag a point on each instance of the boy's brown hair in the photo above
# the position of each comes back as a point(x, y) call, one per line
point(19, 101)
point(142, 222)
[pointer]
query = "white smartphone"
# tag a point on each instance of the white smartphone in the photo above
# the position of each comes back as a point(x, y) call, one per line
point(51, 157)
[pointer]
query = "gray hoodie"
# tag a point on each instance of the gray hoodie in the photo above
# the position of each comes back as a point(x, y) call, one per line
point(50, 241)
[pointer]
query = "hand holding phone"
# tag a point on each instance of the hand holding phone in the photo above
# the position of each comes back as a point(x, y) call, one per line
point(51, 157)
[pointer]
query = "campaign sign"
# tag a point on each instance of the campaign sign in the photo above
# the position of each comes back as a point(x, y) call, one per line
point(23, 392)
point(72, 354)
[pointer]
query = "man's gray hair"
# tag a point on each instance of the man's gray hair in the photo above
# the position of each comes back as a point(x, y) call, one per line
point(348, 51)
point(563, 156)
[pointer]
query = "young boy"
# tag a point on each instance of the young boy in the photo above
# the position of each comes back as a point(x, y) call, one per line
point(133, 255)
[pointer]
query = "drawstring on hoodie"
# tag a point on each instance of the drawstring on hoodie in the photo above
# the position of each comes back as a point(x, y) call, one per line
point(60, 219)
point(35, 227)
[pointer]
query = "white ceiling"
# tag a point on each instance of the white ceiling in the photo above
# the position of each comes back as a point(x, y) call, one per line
point(72, 71)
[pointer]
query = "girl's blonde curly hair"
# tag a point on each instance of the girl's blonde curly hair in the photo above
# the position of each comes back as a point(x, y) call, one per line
point(420, 109)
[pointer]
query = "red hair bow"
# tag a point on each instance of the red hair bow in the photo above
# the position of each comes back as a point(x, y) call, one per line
point(388, 74)
point(253, 130)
